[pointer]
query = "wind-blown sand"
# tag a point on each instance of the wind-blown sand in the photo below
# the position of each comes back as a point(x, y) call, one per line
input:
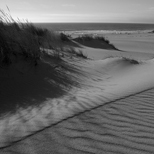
point(110, 111)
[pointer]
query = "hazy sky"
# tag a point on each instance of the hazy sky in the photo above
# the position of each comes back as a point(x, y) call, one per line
point(123, 11)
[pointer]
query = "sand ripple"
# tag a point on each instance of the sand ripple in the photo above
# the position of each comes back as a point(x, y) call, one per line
point(125, 126)
point(104, 115)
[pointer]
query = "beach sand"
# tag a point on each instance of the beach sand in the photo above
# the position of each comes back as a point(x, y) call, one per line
point(110, 110)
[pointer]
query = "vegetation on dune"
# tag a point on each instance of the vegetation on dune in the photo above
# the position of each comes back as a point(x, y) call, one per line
point(64, 37)
point(152, 31)
point(101, 38)
point(131, 61)
point(126, 59)
point(81, 54)
point(19, 39)
point(76, 53)
point(26, 40)
point(102, 42)
point(87, 37)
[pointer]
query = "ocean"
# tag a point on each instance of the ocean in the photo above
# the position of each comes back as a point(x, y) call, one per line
point(96, 26)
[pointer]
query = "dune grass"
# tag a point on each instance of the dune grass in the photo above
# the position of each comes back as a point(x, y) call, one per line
point(27, 41)
point(126, 59)
point(17, 38)
point(100, 41)
point(64, 37)
point(75, 53)
point(81, 54)
point(88, 37)
point(85, 37)
point(24, 39)
point(131, 60)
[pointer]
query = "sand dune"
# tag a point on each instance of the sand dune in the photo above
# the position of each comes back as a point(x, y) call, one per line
point(110, 111)
point(141, 43)
point(123, 126)
point(131, 45)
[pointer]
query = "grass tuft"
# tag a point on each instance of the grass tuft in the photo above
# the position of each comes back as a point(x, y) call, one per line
point(88, 37)
point(72, 52)
point(84, 39)
point(81, 54)
point(131, 61)
point(101, 38)
point(64, 38)
point(24, 39)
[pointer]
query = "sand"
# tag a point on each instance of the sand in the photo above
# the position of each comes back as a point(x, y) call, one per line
point(111, 111)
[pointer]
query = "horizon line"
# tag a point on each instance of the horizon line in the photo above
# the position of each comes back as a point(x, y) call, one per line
point(93, 22)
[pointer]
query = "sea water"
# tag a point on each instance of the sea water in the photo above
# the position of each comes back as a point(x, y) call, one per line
point(106, 27)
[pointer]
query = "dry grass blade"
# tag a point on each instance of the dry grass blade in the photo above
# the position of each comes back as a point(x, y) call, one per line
point(24, 39)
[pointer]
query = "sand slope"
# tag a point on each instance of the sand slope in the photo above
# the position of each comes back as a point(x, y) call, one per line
point(123, 126)
point(142, 42)
point(109, 112)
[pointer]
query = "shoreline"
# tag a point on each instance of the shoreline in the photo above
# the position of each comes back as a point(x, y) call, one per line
point(81, 32)
point(96, 26)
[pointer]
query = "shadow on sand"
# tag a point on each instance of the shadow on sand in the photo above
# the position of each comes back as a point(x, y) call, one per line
point(23, 84)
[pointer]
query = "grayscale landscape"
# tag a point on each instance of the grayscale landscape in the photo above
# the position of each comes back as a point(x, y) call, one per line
point(77, 77)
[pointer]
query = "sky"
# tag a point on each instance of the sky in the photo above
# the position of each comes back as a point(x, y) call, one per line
point(100, 11)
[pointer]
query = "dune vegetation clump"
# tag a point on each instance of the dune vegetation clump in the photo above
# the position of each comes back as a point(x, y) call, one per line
point(81, 54)
point(64, 37)
point(95, 41)
point(85, 37)
point(101, 38)
point(76, 53)
point(151, 31)
point(23, 39)
point(16, 39)
point(130, 60)
point(88, 37)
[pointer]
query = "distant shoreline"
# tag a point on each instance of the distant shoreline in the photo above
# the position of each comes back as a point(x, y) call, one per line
point(95, 32)
point(96, 27)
